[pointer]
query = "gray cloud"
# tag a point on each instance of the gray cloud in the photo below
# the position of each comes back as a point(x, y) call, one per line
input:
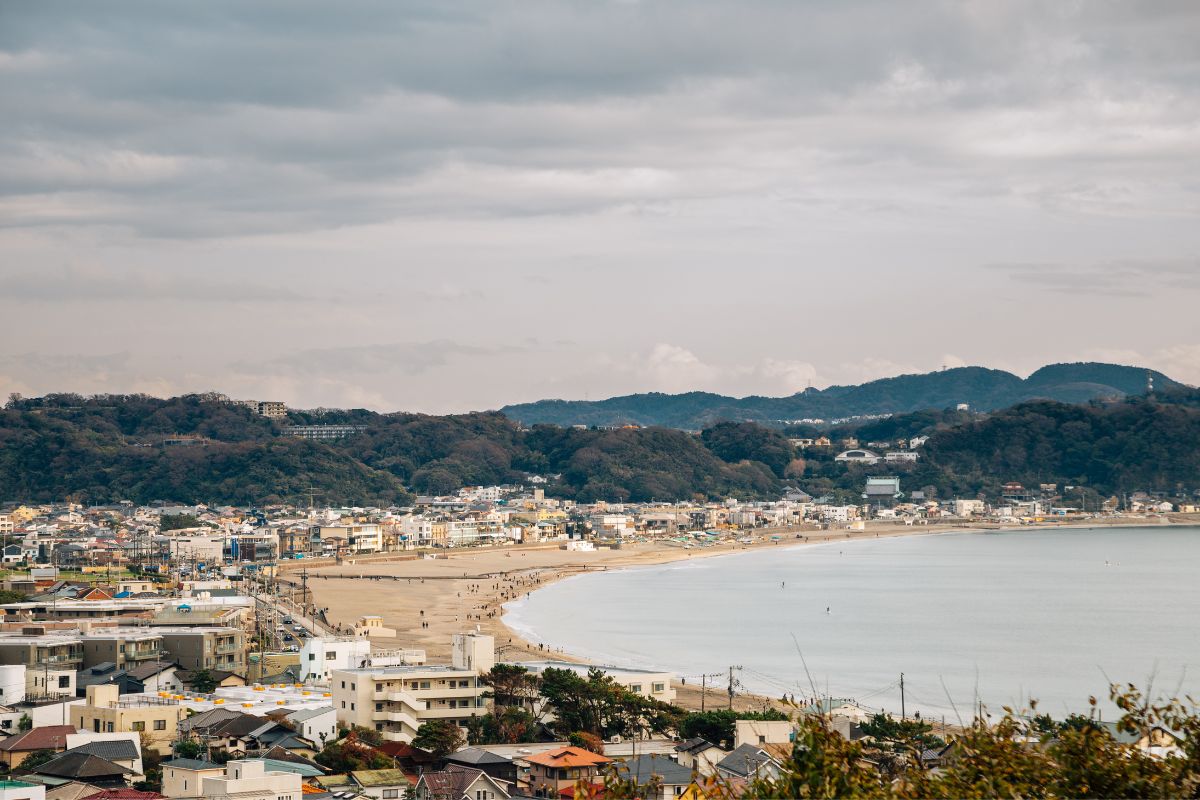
point(95, 284)
point(404, 358)
point(730, 181)
point(1120, 278)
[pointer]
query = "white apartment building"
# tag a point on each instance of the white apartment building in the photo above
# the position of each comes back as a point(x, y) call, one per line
point(203, 548)
point(396, 700)
point(320, 656)
point(364, 538)
point(460, 532)
point(250, 780)
point(416, 530)
point(968, 508)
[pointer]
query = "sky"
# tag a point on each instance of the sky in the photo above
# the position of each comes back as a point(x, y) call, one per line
point(448, 206)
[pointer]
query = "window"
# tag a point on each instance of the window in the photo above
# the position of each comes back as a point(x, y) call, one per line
point(343, 684)
point(379, 687)
point(352, 706)
point(636, 688)
point(312, 656)
point(64, 681)
point(658, 687)
point(379, 706)
point(388, 794)
point(424, 684)
point(762, 739)
point(343, 704)
point(330, 655)
point(139, 726)
point(160, 724)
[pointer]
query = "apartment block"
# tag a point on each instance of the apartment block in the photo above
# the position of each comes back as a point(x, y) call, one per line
point(396, 700)
point(106, 711)
point(126, 647)
point(206, 648)
point(32, 647)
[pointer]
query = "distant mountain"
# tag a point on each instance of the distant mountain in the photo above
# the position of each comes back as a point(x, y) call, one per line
point(984, 389)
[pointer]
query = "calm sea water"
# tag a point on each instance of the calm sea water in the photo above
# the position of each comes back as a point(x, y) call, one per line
point(995, 617)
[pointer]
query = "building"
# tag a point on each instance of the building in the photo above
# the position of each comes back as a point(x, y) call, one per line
point(266, 408)
point(901, 457)
point(562, 768)
point(457, 782)
point(670, 778)
point(124, 647)
point(247, 780)
point(35, 647)
point(216, 648)
point(15, 749)
point(365, 538)
point(396, 700)
point(182, 777)
point(882, 492)
point(320, 656)
point(106, 711)
point(857, 457)
point(323, 432)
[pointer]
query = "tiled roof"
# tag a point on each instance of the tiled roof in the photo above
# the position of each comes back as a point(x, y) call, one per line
point(47, 737)
point(646, 767)
point(450, 783)
point(124, 794)
point(74, 765)
point(122, 749)
point(568, 757)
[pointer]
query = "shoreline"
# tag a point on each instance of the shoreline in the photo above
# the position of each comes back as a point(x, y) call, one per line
point(426, 600)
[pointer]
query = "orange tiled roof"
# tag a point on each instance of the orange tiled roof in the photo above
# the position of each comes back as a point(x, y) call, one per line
point(568, 757)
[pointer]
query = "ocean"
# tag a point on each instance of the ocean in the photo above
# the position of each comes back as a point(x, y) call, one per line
point(991, 617)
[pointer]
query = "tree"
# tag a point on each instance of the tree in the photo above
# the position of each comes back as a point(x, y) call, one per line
point(440, 737)
point(9, 596)
point(189, 748)
point(349, 754)
point(25, 723)
point(36, 759)
point(203, 682)
point(505, 725)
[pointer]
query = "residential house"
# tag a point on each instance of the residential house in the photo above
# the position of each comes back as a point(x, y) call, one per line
point(249, 780)
point(15, 749)
point(457, 782)
point(562, 768)
point(383, 784)
point(749, 762)
point(182, 777)
point(699, 755)
point(74, 765)
point(497, 766)
point(671, 778)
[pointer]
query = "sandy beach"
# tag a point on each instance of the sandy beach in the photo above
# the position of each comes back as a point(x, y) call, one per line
point(426, 600)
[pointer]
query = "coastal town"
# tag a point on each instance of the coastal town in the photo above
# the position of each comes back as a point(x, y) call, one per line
point(194, 651)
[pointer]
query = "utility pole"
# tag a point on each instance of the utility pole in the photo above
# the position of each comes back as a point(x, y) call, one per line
point(704, 686)
point(903, 716)
point(732, 684)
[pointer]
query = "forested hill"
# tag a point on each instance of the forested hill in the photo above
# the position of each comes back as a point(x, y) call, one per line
point(184, 449)
point(984, 389)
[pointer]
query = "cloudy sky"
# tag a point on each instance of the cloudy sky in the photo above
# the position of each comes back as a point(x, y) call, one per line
point(445, 206)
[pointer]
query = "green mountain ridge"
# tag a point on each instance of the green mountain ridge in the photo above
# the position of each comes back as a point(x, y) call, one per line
point(184, 449)
point(982, 388)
